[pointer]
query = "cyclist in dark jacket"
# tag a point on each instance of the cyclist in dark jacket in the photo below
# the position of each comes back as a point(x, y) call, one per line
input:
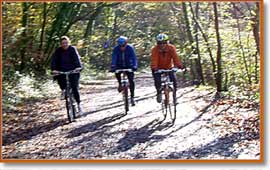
point(67, 58)
point(124, 57)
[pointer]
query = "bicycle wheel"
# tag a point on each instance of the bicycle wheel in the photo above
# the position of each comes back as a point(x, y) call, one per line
point(173, 104)
point(73, 103)
point(166, 101)
point(70, 108)
point(125, 98)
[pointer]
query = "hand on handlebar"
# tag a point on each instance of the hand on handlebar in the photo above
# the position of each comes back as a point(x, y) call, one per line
point(112, 70)
point(55, 72)
point(78, 69)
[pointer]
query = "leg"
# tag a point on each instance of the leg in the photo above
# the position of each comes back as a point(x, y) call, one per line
point(74, 83)
point(131, 83)
point(118, 77)
point(61, 80)
point(173, 79)
point(157, 79)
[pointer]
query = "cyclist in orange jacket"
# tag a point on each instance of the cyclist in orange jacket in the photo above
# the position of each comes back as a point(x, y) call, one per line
point(164, 56)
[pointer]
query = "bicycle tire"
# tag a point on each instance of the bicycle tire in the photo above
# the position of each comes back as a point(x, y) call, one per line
point(73, 104)
point(173, 103)
point(166, 101)
point(70, 108)
point(125, 96)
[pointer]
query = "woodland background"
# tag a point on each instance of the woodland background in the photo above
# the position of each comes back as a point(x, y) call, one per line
point(219, 42)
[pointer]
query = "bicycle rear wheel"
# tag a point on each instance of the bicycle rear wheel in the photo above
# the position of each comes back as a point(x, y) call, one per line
point(125, 98)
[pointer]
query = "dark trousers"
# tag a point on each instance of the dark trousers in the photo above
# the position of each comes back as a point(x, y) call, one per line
point(157, 79)
point(130, 77)
point(74, 83)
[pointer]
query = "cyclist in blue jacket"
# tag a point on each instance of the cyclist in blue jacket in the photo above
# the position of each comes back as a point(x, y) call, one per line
point(124, 57)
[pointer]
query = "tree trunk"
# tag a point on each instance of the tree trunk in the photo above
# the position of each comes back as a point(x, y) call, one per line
point(206, 41)
point(89, 27)
point(115, 27)
point(242, 48)
point(198, 62)
point(40, 58)
point(256, 30)
point(191, 40)
point(24, 35)
point(43, 25)
point(219, 67)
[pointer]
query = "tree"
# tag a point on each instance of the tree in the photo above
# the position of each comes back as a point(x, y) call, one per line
point(218, 60)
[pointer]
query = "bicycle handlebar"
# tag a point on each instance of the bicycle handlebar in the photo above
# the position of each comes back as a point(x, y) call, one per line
point(123, 70)
point(66, 73)
point(167, 70)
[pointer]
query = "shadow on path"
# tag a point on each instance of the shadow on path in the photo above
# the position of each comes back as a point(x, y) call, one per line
point(222, 146)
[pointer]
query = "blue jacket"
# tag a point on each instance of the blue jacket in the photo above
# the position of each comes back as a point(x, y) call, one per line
point(124, 59)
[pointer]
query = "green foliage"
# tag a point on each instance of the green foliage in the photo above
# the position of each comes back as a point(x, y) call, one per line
point(31, 32)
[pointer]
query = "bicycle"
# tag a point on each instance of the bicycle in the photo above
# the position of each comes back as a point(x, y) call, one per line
point(124, 87)
point(69, 97)
point(167, 89)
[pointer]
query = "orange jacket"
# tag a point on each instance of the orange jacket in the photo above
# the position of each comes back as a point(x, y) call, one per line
point(166, 58)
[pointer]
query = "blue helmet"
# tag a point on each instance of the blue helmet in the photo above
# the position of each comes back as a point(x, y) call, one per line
point(122, 40)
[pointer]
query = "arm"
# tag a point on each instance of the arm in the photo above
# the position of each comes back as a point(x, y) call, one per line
point(134, 58)
point(77, 57)
point(114, 58)
point(53, 61)
point(154, 59)
point(176, 60)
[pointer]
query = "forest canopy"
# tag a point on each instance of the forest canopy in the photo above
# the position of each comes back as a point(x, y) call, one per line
point(219, 42)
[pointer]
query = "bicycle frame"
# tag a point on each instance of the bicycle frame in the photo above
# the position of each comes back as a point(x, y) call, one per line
point(167, 87)
point(124, 80)
point(70, 103)
point(125, 85)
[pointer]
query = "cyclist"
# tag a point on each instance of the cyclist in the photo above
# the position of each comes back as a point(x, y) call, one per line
point(67, 58)
point(124, 57)
point(164, 56)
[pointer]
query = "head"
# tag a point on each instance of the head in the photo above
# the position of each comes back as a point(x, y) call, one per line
point(122, 42)
point(65, 42)
point(162, 39)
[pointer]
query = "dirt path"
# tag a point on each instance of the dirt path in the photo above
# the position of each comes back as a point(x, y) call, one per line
point(204, 129)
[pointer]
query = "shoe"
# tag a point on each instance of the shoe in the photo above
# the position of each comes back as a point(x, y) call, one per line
point(63, 93)
point(132, 101)
point(80, 110)
point(159, 97)
point(119, 88)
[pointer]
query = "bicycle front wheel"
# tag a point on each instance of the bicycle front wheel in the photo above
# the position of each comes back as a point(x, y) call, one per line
point(125, 98)
point(173, 104)
point(70, 108)
point(73, 104)
point(165, 102)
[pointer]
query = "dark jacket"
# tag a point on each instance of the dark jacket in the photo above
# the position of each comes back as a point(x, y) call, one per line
point(124, 59)
point(72, 62)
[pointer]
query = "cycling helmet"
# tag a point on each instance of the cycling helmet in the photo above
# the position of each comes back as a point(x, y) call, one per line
point(122, 40)
point(162, 37)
